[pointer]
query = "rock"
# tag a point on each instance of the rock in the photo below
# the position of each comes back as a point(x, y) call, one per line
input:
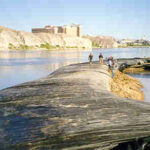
point(134, 65)
point(123, 66)
point(12, 39)
point(73, 108)
point(103, 41)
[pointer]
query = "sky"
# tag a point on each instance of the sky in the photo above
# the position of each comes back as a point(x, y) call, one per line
point(117, 18)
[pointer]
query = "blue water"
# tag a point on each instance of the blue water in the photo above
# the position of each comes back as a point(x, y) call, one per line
point(145, 80)
point(21, 66)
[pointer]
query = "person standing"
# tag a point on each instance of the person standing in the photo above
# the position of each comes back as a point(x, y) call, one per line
point(101, 59)
point(112, 61)
point(90, 58)
point(109, 63)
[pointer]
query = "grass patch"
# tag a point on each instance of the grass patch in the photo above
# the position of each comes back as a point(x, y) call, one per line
point(20, 47)
point(57, 46)
point(24, 47)
point(11, 46)
point(71, 46)
point(96, 45)
point(47, 46)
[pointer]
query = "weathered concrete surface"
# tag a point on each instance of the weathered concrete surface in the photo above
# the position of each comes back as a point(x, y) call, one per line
point(70, 109)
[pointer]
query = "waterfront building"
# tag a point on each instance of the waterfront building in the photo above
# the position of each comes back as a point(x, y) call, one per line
point(72, 30)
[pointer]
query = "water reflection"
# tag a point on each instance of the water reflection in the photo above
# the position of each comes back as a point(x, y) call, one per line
point(19, 66)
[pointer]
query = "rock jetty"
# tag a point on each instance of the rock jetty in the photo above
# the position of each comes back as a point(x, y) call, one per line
point(72, 109)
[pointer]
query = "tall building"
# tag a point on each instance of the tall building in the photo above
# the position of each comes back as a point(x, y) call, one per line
point(73, 30)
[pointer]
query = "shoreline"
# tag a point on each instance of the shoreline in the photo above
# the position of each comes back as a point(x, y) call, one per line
point(69, 49)
point(96, 48)
point(42, 49)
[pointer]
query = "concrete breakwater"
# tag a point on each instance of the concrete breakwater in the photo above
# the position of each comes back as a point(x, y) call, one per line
point(73, 108)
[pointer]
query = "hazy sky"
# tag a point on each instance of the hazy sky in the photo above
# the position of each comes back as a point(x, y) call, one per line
point(118, 18)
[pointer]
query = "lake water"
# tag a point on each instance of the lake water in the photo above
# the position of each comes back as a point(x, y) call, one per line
point(145, 80)
point(21, 66)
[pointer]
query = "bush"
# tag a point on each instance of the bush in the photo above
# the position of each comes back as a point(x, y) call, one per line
point(94, 44)
point(57, 46)
point(11, 46)
point(21, 46)
point(47, 46)
point(24, 47)
point(130, 44)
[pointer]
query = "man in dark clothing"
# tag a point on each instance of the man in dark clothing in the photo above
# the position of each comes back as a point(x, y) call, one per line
point(101, 59)
point(90, 58)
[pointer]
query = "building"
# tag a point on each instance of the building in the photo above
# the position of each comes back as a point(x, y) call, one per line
point(73, 30)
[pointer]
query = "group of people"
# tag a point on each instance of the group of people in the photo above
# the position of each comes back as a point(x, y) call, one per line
point(100, 58)
point(110, 61)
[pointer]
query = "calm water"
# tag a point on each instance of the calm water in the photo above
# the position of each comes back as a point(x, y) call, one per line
point(21, 66)
point(145, 80)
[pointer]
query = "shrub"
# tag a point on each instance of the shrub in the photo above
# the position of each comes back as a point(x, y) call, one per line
point(94, 44)
point(24, 47)
point(11, 46)
point(47, 46)
point(57, 46)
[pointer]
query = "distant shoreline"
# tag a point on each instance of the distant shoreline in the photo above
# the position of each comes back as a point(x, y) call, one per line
point(50, 50)
point(71, 49)
point(135, 47)
point(121, 47)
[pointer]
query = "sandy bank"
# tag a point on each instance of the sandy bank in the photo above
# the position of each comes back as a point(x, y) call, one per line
point(126, 86)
